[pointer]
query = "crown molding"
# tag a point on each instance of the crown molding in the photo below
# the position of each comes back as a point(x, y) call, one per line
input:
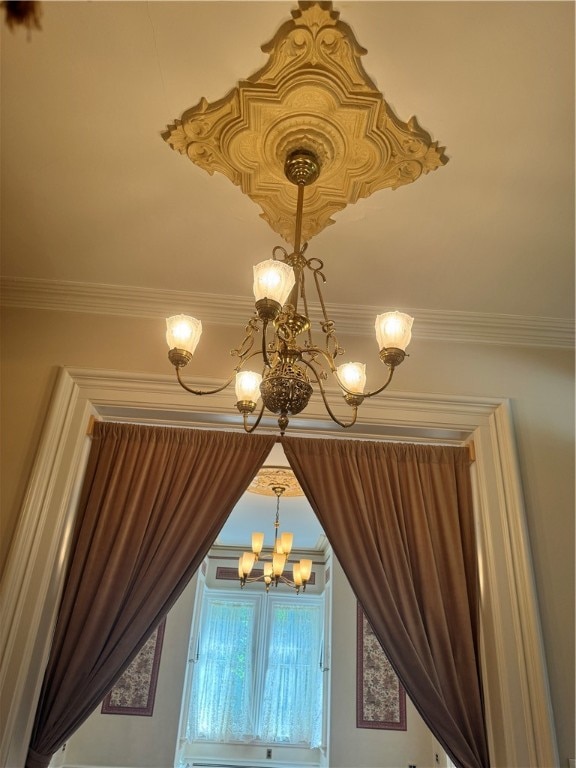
point(129, 301)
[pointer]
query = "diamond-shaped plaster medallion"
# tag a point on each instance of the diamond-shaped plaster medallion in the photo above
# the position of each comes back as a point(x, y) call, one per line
point(314, 94)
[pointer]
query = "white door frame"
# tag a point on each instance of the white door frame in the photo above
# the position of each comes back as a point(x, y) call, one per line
point(518, 707)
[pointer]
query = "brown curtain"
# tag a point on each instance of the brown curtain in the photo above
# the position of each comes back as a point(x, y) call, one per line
point(153, 501)
point(400, 520)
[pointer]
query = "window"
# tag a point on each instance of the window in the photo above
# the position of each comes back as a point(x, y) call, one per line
point(257, 675)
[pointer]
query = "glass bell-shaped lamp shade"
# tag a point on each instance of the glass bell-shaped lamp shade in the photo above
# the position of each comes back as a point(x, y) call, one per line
point(352, 376)
point(393, 330)
point(183, 332)
point(273, 280)
point(286, 540)
point(257, 543)
point(247, 563)
point(278, 563)
point(248, 386)
point(305, 570)
point(296, 575)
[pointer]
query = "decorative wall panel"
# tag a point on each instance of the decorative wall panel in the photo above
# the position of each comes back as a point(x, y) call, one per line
point(135, 691)
point(380, 697)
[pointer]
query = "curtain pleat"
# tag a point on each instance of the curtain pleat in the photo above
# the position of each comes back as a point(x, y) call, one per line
point(152, 504)
point(400, 520)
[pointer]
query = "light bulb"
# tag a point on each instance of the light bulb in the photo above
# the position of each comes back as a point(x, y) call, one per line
point(278, 562)
point(296, 575)
point(257, 543)
point(393, 330)
point(286, 540)
point(273, 280)
point(352, 376)
point(305, 569)
point(248, 386)
point(183, 332)
point(248, 559)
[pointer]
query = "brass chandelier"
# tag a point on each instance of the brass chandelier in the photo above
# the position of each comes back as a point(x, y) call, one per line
point(292, 363)
point(273, 570)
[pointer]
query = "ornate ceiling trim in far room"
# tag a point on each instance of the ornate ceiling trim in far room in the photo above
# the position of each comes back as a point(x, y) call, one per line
point(270, 477)
point(313, 94)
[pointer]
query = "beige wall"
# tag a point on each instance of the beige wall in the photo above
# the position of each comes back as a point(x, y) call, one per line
point(351, 746)
point(142, 742)
point(538, 382)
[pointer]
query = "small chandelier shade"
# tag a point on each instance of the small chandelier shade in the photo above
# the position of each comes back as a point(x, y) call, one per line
point(352, 376)
point(257, 543)
point(248, 387)
point(393, 329)
point(273, 280)
point(183, 332)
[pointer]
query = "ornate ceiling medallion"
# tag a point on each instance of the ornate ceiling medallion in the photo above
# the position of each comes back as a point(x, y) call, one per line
point(313, 94)
point(269, 478)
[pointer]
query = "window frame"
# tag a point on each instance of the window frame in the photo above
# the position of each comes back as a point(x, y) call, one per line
point(264, 603)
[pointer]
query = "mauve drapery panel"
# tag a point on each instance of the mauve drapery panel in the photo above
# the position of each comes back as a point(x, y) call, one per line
point(152, 503)
point(400, 520)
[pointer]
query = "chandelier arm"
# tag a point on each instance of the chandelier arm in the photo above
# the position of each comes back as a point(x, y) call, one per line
point(331, 338)
point(247, 427)
point(205, 391)
point(305, 304)
point(328, 326)
point(327, 405)
point(248, 341)
point(376, 391)
point(330, 360)
point(319, 292)
point(283, 251)
point(364, 395)
point(244, 358)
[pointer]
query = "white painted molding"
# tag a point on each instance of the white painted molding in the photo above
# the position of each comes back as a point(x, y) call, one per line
point(509, 601)
point(433, 325)
point(518, 703)
point(32, 583)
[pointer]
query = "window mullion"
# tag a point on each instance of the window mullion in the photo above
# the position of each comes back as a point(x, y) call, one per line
point(261, 661)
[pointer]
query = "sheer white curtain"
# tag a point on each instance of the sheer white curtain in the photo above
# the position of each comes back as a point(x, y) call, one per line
point(222, 689)
point(292, 698)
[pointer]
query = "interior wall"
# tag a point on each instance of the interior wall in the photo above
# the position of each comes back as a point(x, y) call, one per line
point(538, 382)
point(366, 747)
point(142, 742)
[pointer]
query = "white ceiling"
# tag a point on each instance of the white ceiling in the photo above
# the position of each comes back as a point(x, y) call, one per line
point(93, 195)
